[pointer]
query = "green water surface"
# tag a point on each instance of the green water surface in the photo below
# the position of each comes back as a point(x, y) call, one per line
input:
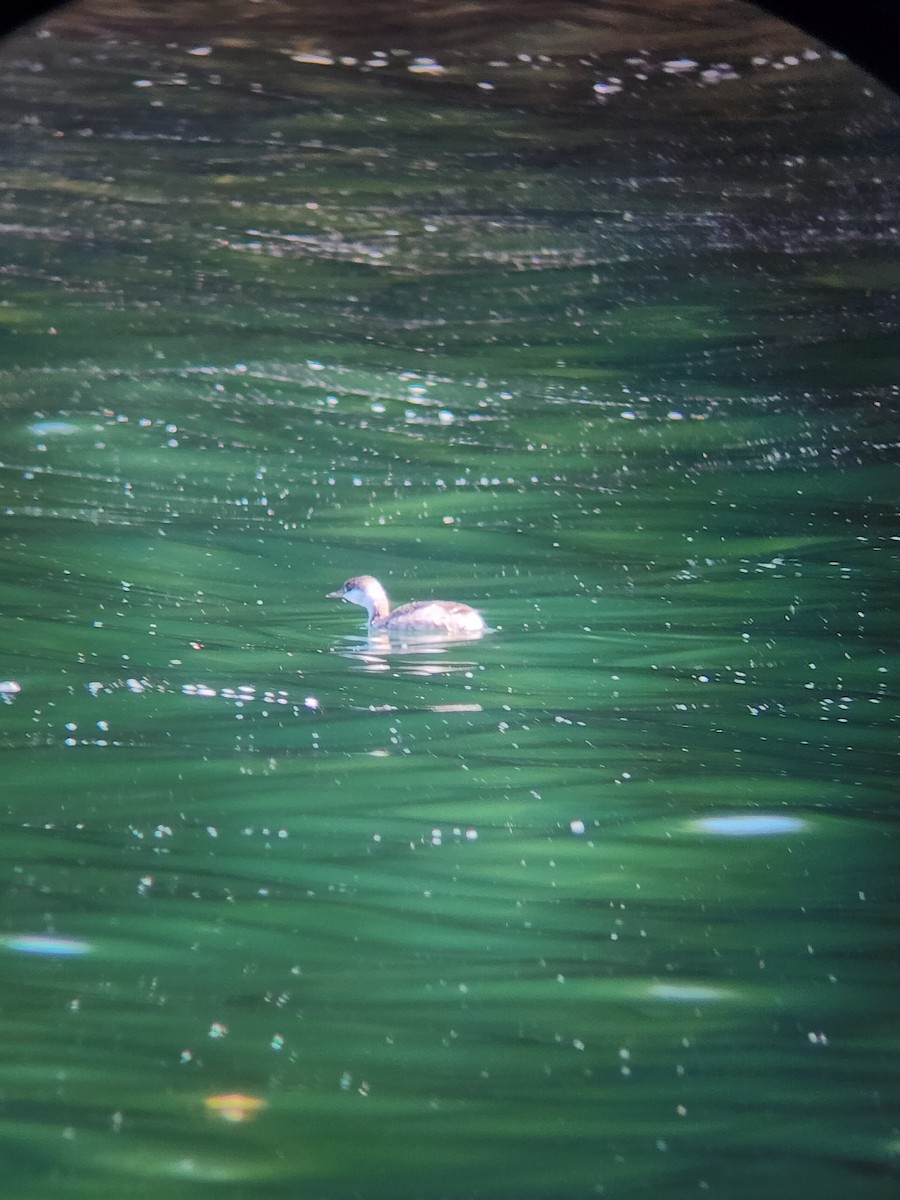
point(602, 904)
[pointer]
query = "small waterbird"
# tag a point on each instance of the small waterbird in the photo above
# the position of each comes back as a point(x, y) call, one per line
point(445, 618)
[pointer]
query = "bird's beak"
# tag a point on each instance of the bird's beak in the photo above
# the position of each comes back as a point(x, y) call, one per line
point(334, 595)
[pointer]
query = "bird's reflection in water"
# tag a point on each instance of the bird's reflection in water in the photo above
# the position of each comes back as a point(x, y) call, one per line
point(420, 655)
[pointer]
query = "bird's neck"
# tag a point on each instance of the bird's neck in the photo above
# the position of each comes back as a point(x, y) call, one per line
point(378, 605)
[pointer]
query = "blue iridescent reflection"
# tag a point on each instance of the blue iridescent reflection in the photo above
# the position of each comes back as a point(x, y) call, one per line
point(50, 947)
point(755, 825)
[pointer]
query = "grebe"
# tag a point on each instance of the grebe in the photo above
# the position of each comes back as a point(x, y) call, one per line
point(443, 617)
